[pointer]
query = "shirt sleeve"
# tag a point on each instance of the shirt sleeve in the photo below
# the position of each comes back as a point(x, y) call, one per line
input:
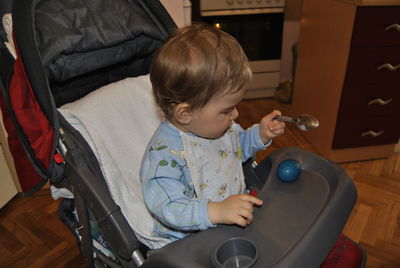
point(250, 141)
point(168, 195)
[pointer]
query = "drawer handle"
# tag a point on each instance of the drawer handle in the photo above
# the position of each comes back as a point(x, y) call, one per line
point(380, 101)
point(372, 133)
point(388, 66)
point(393, 26)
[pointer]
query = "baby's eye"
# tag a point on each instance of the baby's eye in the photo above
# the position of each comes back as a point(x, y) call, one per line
point(228, 111)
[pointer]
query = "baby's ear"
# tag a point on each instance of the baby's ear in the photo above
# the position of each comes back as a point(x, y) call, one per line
point(183, 113)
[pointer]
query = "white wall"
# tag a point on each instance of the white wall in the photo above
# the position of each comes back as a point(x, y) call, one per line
point(179, 10)
point(7, 187)
point(291, 31)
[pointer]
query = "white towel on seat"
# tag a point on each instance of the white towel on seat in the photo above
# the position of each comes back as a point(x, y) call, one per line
point(117, 121)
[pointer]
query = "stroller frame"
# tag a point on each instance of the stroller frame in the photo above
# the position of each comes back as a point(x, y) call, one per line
point(79, 171)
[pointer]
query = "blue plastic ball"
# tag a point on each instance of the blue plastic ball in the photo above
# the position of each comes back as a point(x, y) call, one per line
point(289, 170)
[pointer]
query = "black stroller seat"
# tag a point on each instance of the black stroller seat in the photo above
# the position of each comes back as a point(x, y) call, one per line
point(79, 98)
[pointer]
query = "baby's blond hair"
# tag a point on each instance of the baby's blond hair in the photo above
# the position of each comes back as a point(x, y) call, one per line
point(194, 64)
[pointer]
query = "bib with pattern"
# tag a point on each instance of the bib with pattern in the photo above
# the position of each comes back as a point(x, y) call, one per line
point(215, 165)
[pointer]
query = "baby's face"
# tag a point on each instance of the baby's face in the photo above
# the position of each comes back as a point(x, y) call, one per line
point(216, 117)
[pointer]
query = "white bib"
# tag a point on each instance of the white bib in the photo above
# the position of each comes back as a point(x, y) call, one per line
point(215, 165)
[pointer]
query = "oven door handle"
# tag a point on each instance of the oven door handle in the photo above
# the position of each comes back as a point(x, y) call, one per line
point(236, 12)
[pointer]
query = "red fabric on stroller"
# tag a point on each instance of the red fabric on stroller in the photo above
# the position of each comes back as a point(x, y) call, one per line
point(23, 166)
point(29, 114)
point(344, 254)
point(34, 125)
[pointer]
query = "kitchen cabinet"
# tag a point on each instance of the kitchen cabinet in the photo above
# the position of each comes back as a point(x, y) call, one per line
point(180, 11)
point(348, 76)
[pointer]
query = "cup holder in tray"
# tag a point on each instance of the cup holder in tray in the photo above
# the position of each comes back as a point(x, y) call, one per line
point(236, 252)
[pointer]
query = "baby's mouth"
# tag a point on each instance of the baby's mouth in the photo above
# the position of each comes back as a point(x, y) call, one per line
point(229, 127)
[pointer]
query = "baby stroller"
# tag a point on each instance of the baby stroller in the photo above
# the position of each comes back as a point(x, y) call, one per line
point(79, 99)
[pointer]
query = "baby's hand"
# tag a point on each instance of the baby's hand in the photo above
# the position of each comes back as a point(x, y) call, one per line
point(236, 209)
point(270, 128)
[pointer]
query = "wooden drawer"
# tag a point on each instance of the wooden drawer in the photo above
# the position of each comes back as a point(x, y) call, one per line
point(366, 66)
point(349, 132)
point(370, 24)
point(370, 100)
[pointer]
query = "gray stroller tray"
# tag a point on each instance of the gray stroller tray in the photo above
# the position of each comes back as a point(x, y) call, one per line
point(296, 226)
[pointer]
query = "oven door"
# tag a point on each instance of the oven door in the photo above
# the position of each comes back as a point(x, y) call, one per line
point(259, 32)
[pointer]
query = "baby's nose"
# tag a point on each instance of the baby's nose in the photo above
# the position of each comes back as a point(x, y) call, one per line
point(234, 114)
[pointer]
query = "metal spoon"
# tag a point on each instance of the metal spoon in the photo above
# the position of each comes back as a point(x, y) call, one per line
point(304, 122)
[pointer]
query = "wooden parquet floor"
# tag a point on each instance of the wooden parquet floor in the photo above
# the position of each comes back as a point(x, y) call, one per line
point(31, 234)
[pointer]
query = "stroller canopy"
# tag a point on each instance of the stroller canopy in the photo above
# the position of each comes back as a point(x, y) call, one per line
point(66, 49)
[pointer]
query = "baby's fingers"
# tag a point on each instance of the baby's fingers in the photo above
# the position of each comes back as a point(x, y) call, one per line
point(277, 128)
point(240, 220)
point(248, 215)
point(252, 199)
point(243, 216)
point(272, 115)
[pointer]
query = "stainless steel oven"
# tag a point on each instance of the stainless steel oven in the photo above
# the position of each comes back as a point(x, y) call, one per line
point(258, 26)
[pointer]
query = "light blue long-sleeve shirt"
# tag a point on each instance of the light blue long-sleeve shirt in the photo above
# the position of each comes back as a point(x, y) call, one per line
point(168, 189)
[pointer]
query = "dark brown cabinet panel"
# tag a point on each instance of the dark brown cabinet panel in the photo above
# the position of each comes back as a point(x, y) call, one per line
point(348, 76)
point(372, 66)
point(370, 102)
point(366, 132)
point(376, 26)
